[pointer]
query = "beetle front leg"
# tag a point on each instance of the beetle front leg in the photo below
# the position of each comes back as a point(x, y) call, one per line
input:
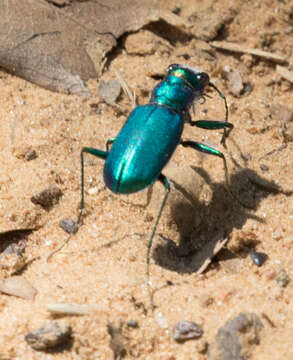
point(211, 151)
point(208, 150)
point(214, 125)
point(226, 132)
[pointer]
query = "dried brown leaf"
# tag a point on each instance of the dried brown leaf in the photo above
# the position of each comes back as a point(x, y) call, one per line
point(60, 45)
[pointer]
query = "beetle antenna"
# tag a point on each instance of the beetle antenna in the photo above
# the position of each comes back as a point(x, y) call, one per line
point(226, 132)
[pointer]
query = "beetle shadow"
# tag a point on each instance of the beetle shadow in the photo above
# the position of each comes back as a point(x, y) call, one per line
point(207, 225)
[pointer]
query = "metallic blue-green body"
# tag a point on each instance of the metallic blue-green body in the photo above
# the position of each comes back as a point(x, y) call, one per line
point(142, 148)
point(149, 137)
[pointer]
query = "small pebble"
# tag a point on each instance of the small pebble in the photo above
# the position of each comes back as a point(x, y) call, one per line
point(236, 337)
point(132, 323)
point(226, 70)
point(258, 258)
point(30, 155)
point(234, 78)
point(68, 225)
point(93, 190)
point(109, 91)
point(12, 259)
point(283, 279)
point(236, 84)
point(176, 10)
point(48, 336)
point(161, 320)
point(186, 330)
point(47, 197)
point(14, 249)
point(264, 167)
point(283, 115)
point(202, 346)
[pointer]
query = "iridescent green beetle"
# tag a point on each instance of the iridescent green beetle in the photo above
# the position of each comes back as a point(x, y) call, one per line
point(150, 136)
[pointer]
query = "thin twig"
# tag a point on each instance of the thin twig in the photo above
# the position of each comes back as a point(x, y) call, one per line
point(224, 45)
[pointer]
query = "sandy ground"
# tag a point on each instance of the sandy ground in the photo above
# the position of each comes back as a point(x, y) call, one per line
point(104, 263)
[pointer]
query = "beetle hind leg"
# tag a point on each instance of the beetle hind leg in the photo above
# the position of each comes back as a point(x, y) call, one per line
point(162, 178)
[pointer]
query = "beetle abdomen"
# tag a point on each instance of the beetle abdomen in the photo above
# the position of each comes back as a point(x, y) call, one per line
point(142, 148)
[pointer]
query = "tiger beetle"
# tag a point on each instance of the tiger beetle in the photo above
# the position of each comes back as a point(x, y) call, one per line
point(150, 136)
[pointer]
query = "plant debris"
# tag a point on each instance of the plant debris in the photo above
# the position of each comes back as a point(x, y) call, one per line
point(18, 286)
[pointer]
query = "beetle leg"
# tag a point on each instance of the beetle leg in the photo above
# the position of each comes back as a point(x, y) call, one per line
point(209, 150)
point(99, 153)
point(212, 124)
point(202, 148)
point(226, 133)
point(108, 143)
point(149, 196)
point(162, 178)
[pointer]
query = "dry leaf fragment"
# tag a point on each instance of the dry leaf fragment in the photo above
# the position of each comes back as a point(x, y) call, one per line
point(18, 286)
point(60, 47)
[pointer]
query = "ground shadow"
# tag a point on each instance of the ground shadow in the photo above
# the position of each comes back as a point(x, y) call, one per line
point(214, 221)
point(16, 237)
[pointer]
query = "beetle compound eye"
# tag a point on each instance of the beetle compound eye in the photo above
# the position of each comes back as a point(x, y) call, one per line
point(172, 67)
point(203, 79)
